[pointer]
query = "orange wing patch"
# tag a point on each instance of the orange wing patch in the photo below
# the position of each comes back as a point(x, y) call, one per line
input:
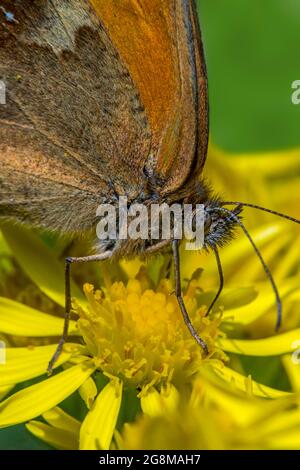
point(158, 42)
point(143, 32)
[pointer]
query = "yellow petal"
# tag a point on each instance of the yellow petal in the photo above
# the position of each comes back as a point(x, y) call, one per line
point(88, 392)
point(5, 389)
point(18, 319)
point(291, 364)
point(273, 346)
point(36, 399)
point(240, 382)
point(241, 248)
point(251, 269)
point(269, 163)
point(57, 438)
point(242, 410)
point(245, 409)
point(231, 299)
point(59, 419)
point(281, 431)
point(170, 396)
point(264, 301)
point(27, 363)
point(233, 254)
point(280, 423)
point(151, 403)
point(131, 267)
point(290, 261)
point(39, 263)
point(289, 440)
point(154, 403)
point(99, 425)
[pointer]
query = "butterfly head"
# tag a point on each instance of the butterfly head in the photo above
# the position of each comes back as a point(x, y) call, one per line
point(219, 224)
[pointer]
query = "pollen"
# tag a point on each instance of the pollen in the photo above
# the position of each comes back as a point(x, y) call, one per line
point(137, 333)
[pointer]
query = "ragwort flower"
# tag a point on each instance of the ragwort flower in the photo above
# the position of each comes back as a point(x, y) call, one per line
point(130, 348)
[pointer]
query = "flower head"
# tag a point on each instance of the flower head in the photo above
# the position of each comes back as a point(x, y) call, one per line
point(130, 358)
point(137, 333)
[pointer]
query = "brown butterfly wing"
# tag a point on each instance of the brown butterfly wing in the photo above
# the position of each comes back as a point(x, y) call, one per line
point(160, 43)
point(73, 128)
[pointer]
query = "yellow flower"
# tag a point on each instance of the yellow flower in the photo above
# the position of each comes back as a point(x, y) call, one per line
point(131, 358)
point(134, 335)
point(213, 417)
point(138, 335)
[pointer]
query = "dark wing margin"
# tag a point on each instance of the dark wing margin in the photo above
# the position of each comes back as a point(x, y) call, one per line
point(202, 82)
point(160, 42)
point(183, 148)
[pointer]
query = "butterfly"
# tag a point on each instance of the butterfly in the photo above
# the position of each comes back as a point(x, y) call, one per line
point(107, 98)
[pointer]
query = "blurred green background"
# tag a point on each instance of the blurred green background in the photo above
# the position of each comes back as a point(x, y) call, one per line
point(253, 56)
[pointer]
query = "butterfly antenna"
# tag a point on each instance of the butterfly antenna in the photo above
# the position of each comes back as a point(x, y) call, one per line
point(260, 208)
point(259, 255)
point(221, 280)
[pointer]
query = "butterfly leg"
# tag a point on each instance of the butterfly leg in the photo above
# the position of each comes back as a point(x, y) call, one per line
point(221, 281)
point(68, 302)
point(175, 246)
